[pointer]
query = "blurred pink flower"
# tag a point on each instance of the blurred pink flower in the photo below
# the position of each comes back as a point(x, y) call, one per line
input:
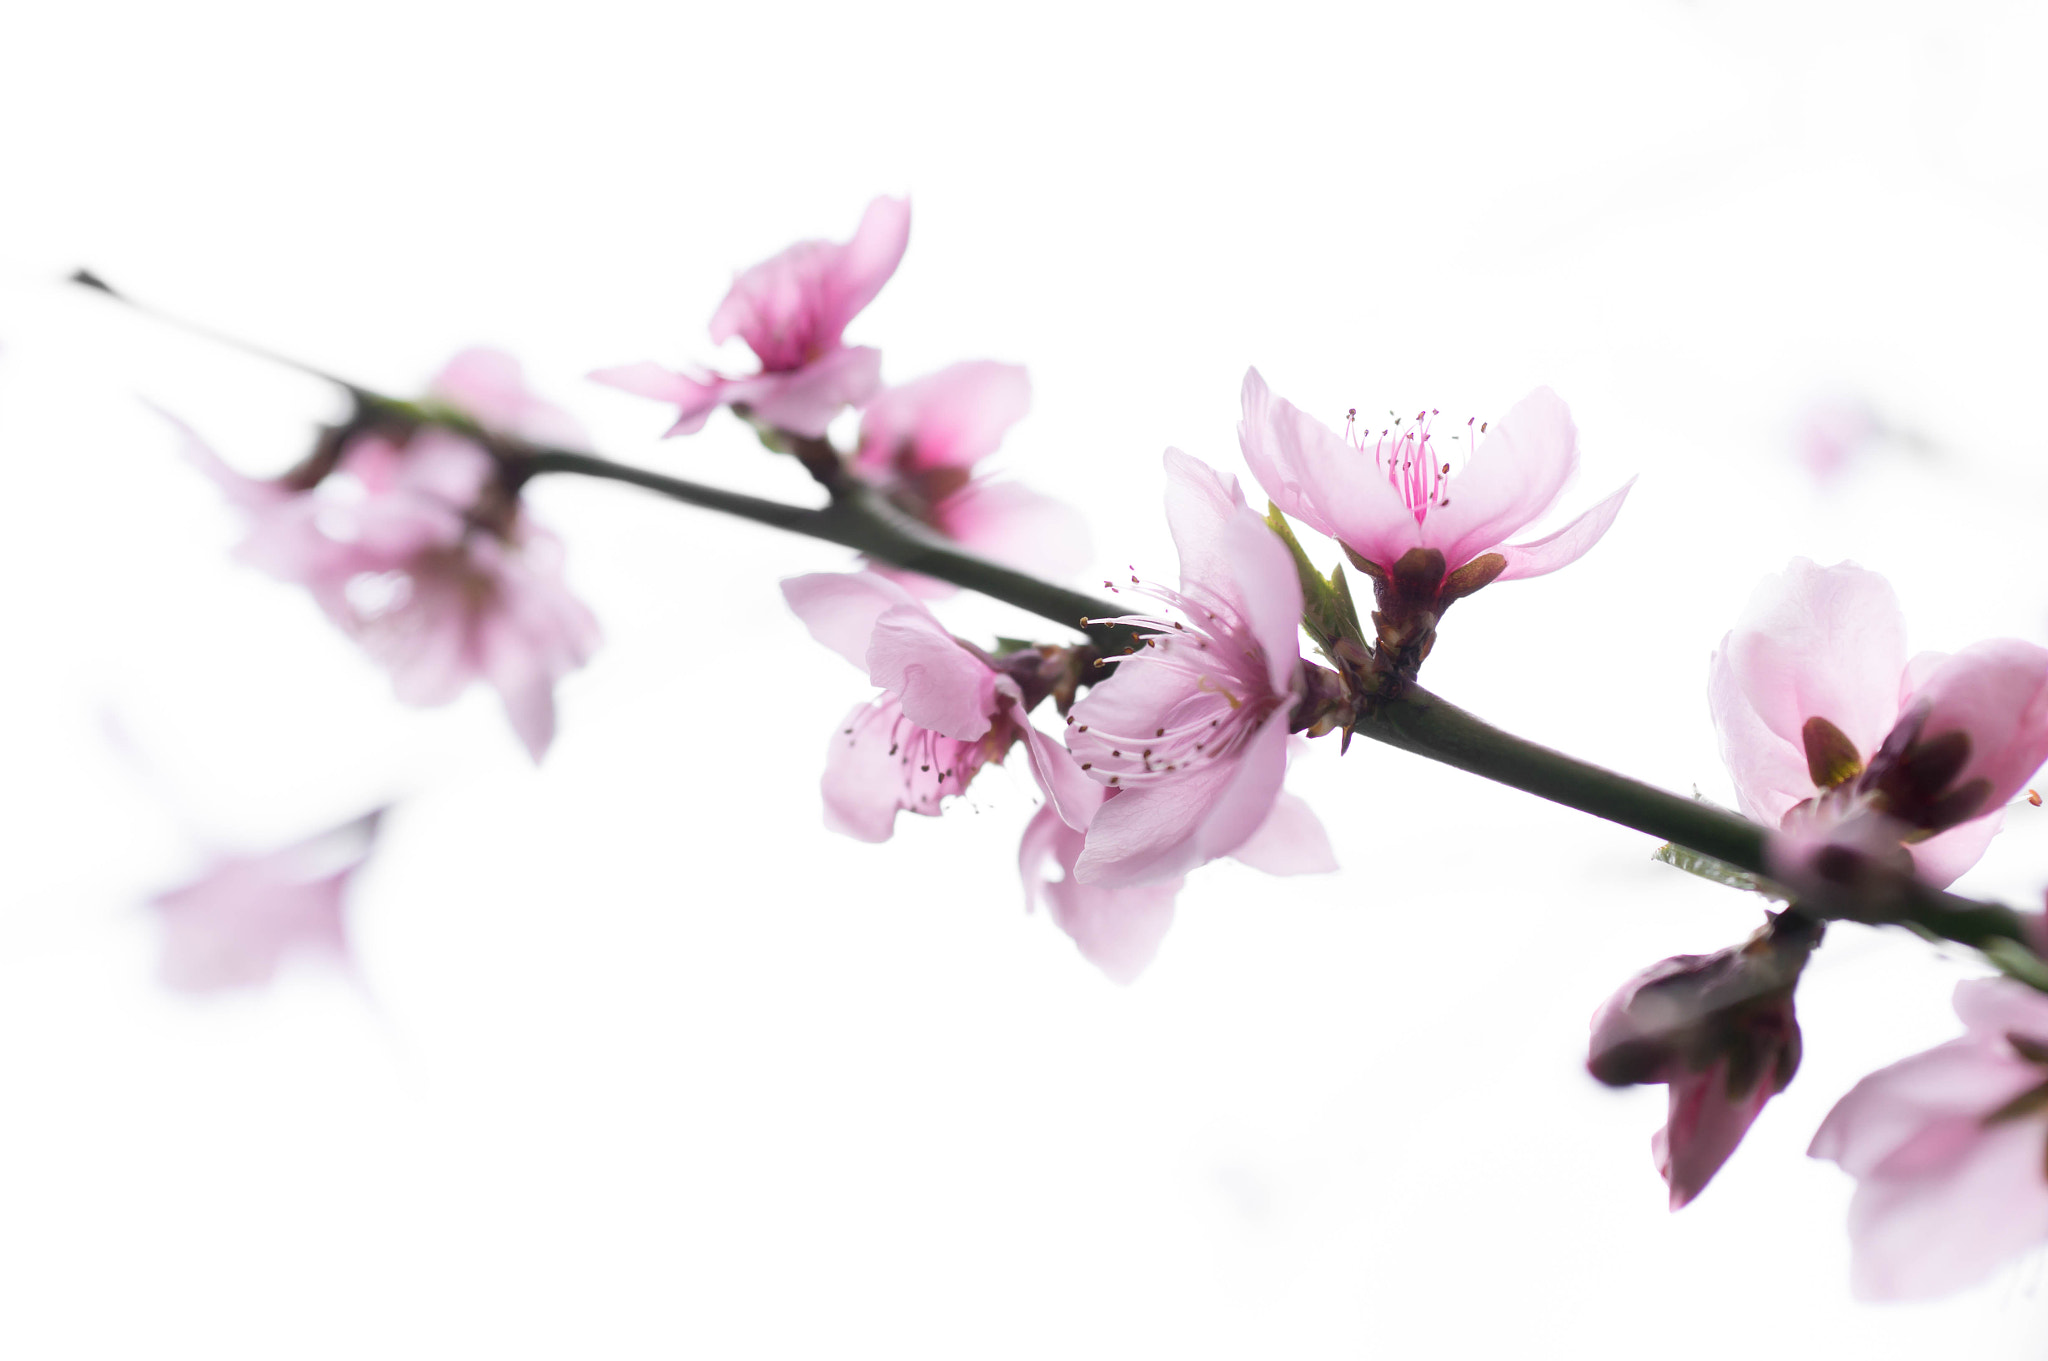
point(1947, 1149)
point(792, 311)
point(1832, 734)
point(414, 548)
point(918, 446)
point(1720, 1032)
point(1191, 729)
point(1411, 497)
point(1833, 432)
point(236, 924)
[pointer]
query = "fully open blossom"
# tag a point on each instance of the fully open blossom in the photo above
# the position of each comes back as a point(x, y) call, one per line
point(410, 543)
point(236, 925)
point(946, 711)
point(1949, 1150)
point(792, 311)
point(1385, 496)
point(919, 444)
point(1720, 1032)
point(1191, 730)
point(1832, 733)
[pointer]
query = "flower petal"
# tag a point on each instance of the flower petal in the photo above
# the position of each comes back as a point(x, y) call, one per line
point(1310, 473)
point(696, 397)
point(1949, 1227)
point(1821, 642)
point(1118, 930)
point(1290, 841)
point(941, 685)
point(1770, 773)
point(840, 608)
point(1996, 692)
point(1150, 833)
point(1941, 860)
point(1513, 477)
point(950, 419)
point(1567, 545)
point(1228, 555)
point(805, 400)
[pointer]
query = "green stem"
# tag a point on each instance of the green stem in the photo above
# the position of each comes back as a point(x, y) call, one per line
point(1413, 720)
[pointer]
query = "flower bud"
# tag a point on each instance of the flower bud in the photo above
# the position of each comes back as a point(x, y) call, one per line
point(1719, 1030)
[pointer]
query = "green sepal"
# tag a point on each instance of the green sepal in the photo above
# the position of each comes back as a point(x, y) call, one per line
point(1327, 612)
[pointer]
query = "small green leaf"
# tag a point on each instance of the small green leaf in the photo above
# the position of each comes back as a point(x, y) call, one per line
point(1718, 871)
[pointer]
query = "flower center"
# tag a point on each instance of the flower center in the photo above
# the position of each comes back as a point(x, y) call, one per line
point(1408, 456)
point(1224, 694)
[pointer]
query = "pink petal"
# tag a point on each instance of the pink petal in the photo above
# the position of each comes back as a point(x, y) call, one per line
point(490, 385)
point(1117, 930)
point(1927, 1234)
point(236, 924)
point(1770, 773)
point(1997, 693)
point(1567, 545)
point(805, 401)
point(1826, 642)
point(1310, 473)
point(1996, 1007)
point(1513, 477)
point(1942, 859)
point(840, 608)
point(1229, 555)
point(1068, 791)
point(950, 419)
point(696, 397)
point(1152, 833)
point(1884, 1113)
point(868, 261)
point(941, 685)
point(1704, 1129)
point(861, 780)
point(1290, 841)
point(1016, 526)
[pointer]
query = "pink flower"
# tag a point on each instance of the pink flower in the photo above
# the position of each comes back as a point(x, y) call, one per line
point(1832, 734)
point(791, 310)
point(1947, 1149)
point(237, 923)
point(945, 712)
point(411, 544)
point(918, 446)
point(1720, 1032)
point(1411, 498)
point(1191, 729)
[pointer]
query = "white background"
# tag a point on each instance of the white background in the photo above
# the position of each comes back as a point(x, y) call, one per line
point(641, 1062)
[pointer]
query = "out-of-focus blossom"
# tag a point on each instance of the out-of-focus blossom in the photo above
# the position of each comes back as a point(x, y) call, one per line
point(1191, 730)
point(1388, 496)
point(919, 444)
point(1720, 1032)
point(1834, 735)
point(235, 925)
point(1832, 433)
point(1949, 1150)
point(413, 546)
point(792, 311)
